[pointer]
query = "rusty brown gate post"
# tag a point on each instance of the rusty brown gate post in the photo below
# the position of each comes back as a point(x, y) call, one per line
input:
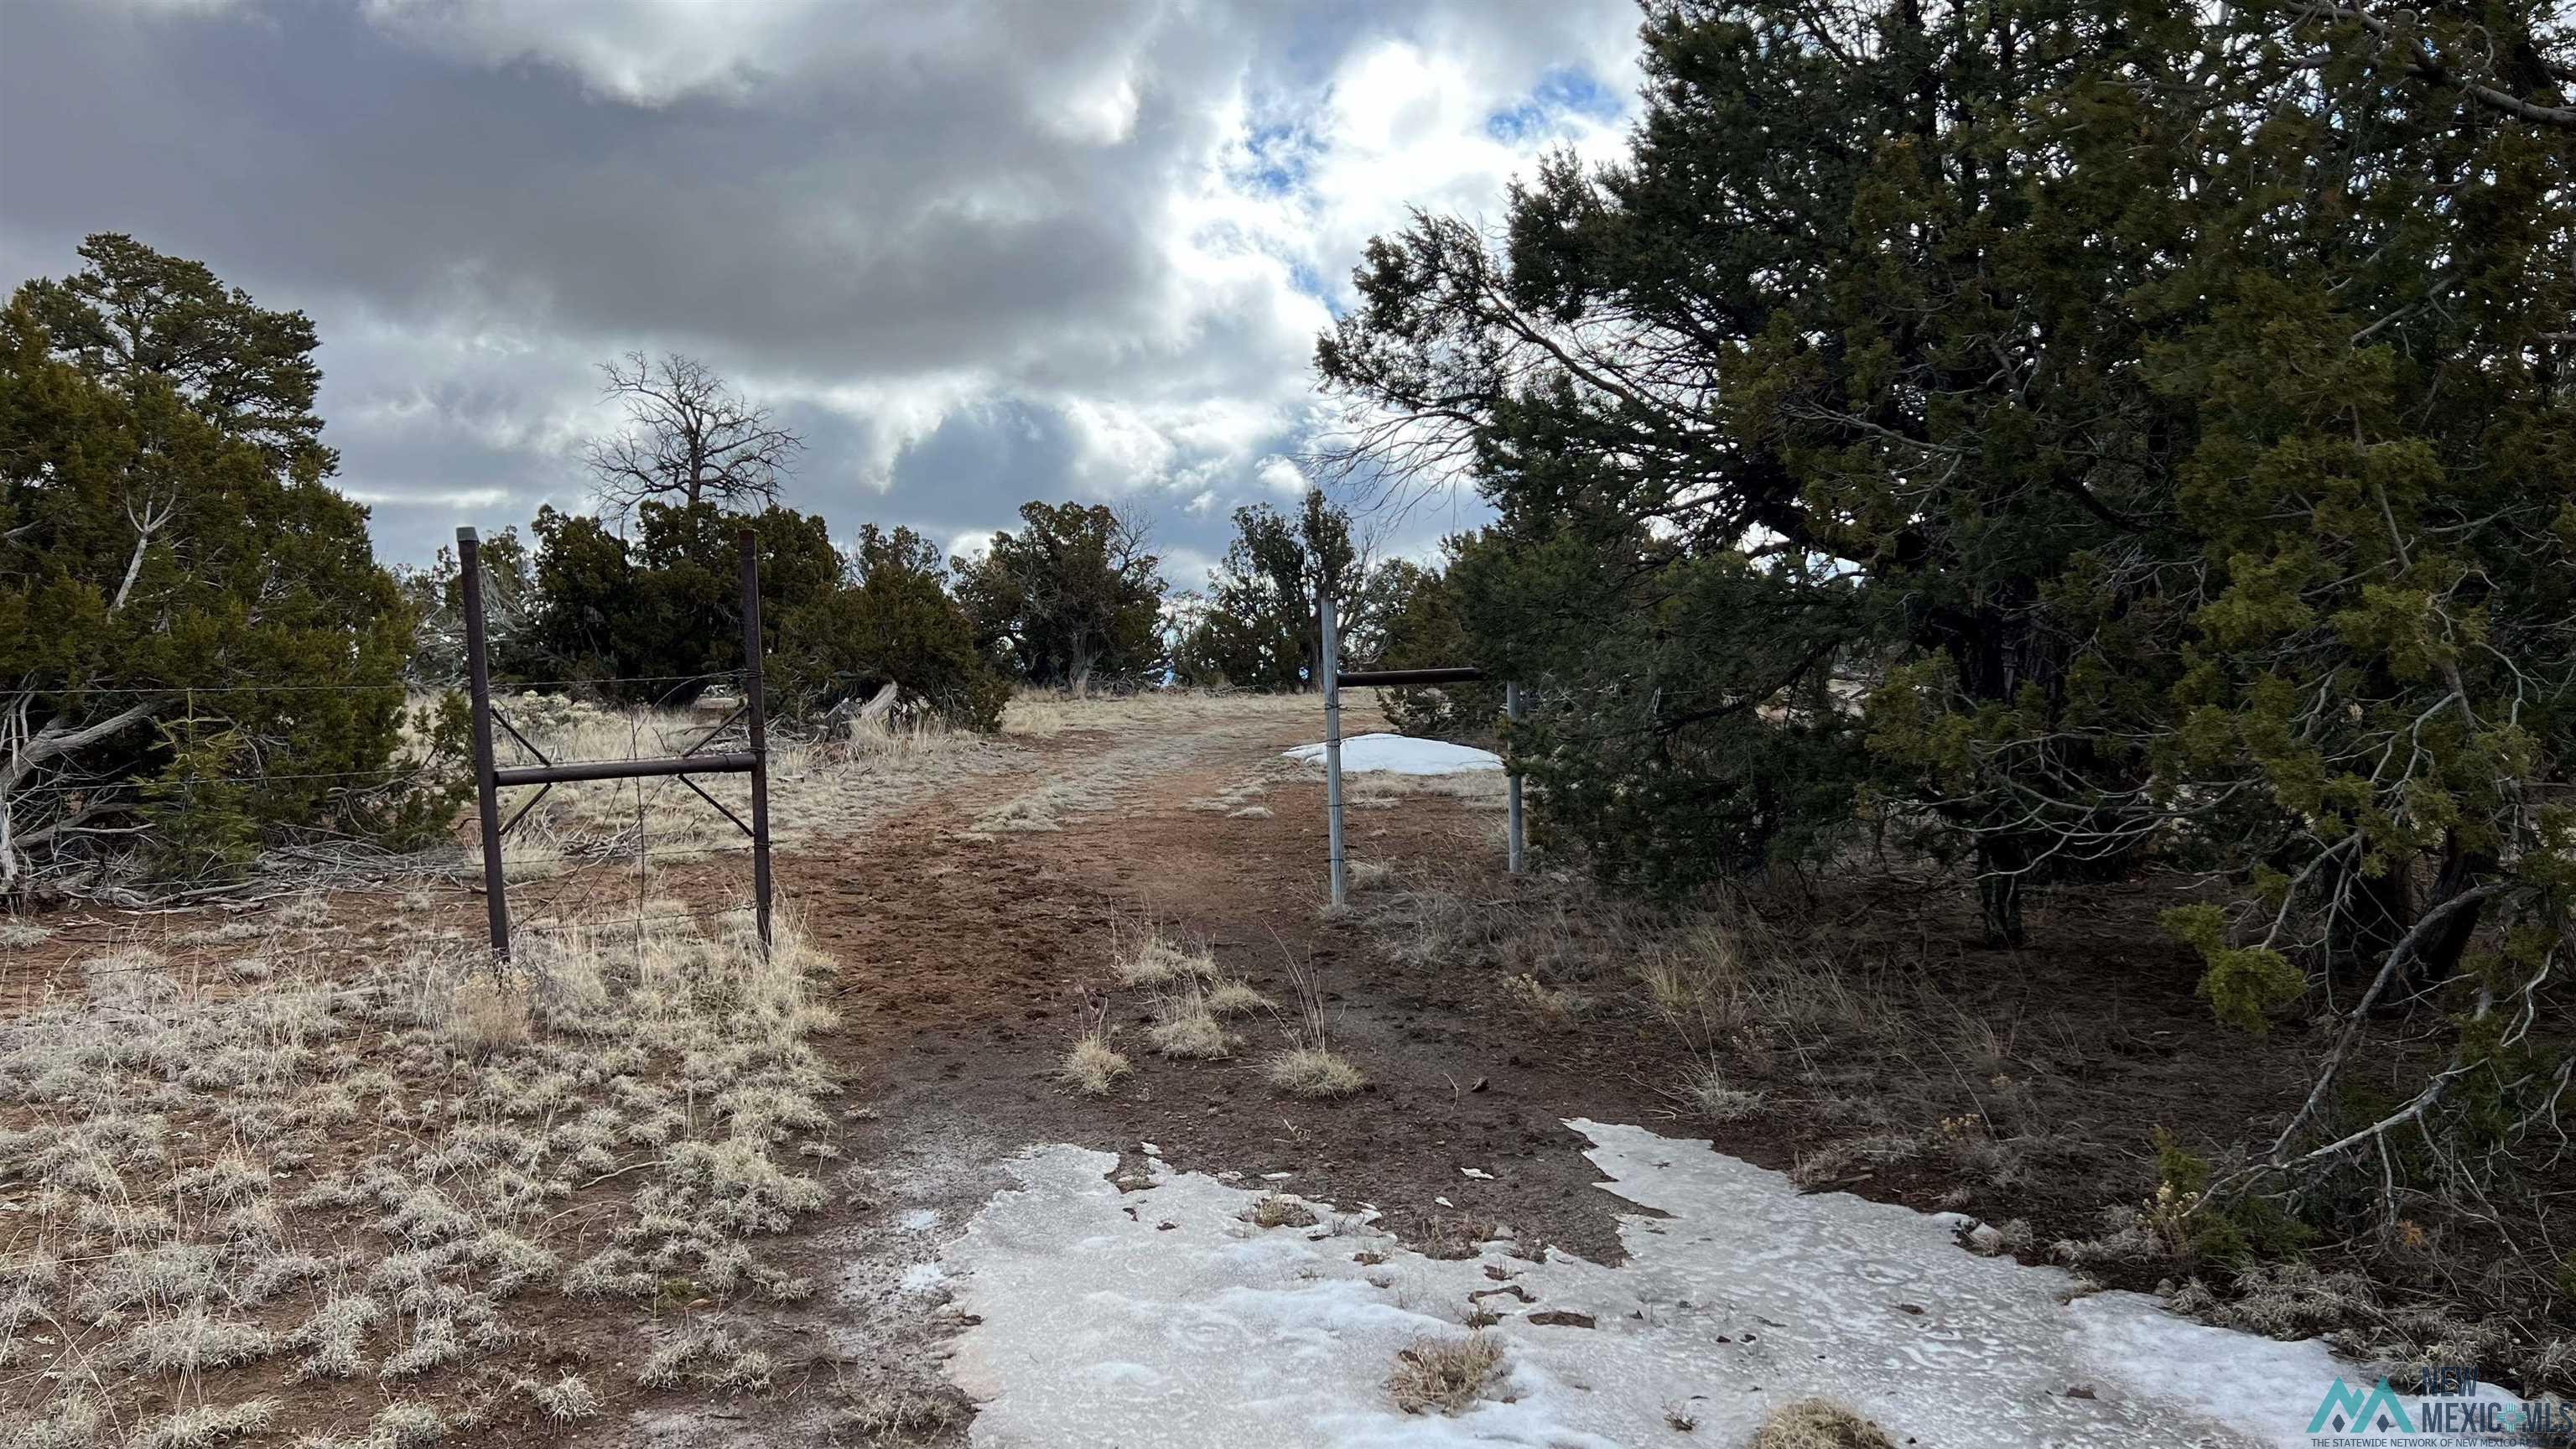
point(490, 778)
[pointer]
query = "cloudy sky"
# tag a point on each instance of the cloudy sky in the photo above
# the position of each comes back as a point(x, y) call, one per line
point(977, 251)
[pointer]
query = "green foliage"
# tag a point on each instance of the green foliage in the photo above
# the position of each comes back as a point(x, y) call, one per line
point(891, 621)
point(2166, 464)
point(665, 610)
point(1073, 597)
point(660, 620)
point(168, 551)
point(199, 821)
point(1261, 624)
point(2242, 984)
point(2237, 1231)
point(1424, 626)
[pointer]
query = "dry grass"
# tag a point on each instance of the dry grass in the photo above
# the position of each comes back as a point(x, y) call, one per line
point(208, 1425)
point(899, 1413)
point(1044, 714)
point(1315, 1073)
point(1148, 956)
point(1091, 1065)
point(488, 1012)
point(1445, 1375)
point(705, 1355)
point(1709, 1095)
point(1818, 1424)
point(1271, 1210)
point(818, 789)
point(1237, 998)
point(567, 1400)
point(1148, 738)
point(1186, 1026)
point(1308, 1066)
point(1554, 1005)
point(385, 1179)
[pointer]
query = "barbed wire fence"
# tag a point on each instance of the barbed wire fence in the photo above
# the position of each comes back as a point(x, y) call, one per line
point(319, 858)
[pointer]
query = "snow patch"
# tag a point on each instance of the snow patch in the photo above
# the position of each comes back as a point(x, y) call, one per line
point(1401, 755)
point(1191, 1326)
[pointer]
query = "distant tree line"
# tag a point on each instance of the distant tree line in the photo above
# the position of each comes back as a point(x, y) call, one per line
point(200, 654)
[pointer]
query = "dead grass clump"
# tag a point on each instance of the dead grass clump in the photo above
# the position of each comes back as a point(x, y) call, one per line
point(1150, 958)
point(1187, 1027)
point(1309, 1067)
point(568, 1400)
point(478, 1010)
point(1554, 1005)
point(1271, 1210)
point(206, 1425)
point(334, 1335)
point(1838, 1163)
point(1093, 1066)
point(20, 935)
point(1367, 875)
point(191, 1341)
point(1446, 1375)
point(1709, 1095)
point(708, 1357)
point(1237, 998)
point(1818, 1424)
point(74, 1420)
point(406, 1424)
point(888, 1415)
point(1313, 1072)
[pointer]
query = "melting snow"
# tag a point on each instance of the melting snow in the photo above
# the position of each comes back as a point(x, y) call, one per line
point(1401, 755)
point(1092, 1327)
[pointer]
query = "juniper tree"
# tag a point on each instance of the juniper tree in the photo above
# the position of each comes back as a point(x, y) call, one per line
point(1073, 594)
point(184, 601)
point(2161, 415)
point(1262, 623)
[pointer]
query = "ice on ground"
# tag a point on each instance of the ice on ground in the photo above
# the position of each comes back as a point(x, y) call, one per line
point(1401, 755)
point(1185, 1325)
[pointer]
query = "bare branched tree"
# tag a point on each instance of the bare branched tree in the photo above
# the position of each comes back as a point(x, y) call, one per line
point(688, 436)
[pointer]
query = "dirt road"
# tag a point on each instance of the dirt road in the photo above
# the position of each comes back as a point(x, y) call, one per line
point(974, 933)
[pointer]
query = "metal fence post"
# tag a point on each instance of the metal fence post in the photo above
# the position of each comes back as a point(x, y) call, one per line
point(1512, 782)
point(1333, 749)
point(487, 793)
point(756, 719)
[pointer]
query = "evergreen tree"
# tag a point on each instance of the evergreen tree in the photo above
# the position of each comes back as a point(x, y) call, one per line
point(1071, 597)
point(659, 620)
point(1261, 626)
point(181, 595)
point(1423, 626)
point(2162, 415)
point(892, 621)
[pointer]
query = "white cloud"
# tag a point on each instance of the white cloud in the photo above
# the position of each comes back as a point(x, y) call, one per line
point(1074, 249)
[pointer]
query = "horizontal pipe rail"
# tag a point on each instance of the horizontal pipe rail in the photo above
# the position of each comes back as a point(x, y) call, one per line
point(737, 762)
point(1411, 676)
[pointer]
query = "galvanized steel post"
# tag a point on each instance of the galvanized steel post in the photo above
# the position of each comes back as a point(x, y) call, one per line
point(1512, 783)
point(1333, 749)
